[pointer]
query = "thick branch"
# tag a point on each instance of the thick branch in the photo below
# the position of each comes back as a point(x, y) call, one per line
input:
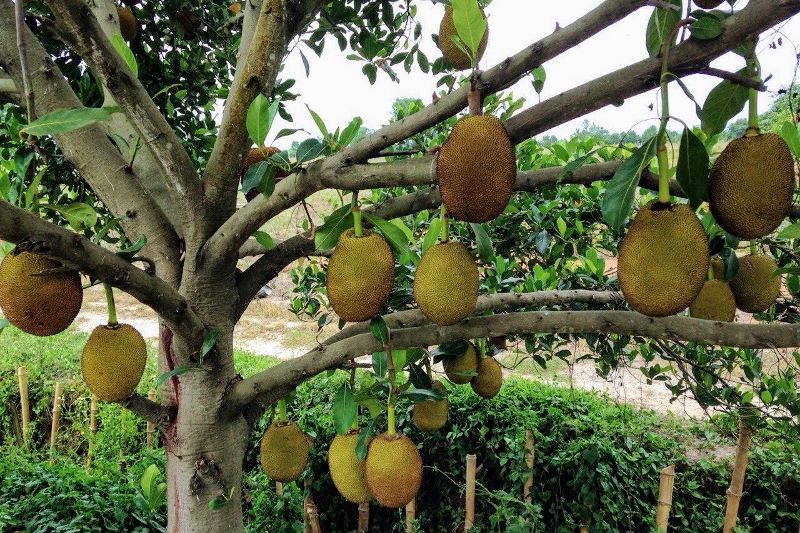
point(86, 37)
point(18, 225)
point(160, 415)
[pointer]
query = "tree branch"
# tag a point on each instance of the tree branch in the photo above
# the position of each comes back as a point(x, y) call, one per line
point(160, 415)
point(86, 37)
point(18, 225)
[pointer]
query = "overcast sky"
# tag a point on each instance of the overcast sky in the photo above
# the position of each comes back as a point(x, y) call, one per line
point(338, 91)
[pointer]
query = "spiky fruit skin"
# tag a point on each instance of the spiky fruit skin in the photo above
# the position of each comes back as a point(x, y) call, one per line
point(284, 451)
point(39, 305)
point(430, 415)
point(446, 283)
point(347, 470)
point(751, 184)
point(476, 169)
point(127, 23)
point(460, 369)
point(708, 4)
point(360, 275)
point(393, 469)
point(253, 156)
point(663, 259)
point(451, 52)
point(715, 302)
point(113, 360)
point(754, 286)
point(489, 379)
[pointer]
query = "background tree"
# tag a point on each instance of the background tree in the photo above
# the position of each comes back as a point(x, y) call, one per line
point(162, 175)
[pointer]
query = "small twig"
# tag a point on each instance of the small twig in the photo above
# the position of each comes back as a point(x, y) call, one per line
point(312, 227)
point(392, 153)
point(734, 77)
point(19, 11)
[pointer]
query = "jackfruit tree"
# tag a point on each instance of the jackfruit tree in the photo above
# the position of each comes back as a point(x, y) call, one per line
point(117, 170)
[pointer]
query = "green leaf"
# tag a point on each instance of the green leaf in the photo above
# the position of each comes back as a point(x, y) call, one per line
point(209, 341)
point(327, 234)
point(483, 242)
point(791, 135)
point(371, 71)
point(66, 120)
point(79, 215)
point(379, 329)
point(432, 235)
point(264, 239)
point(692, 169)
point(379, 364)
point(706, 27)
point(539, 77)
point(415, 394)
point(30, 191)
point(470, 24)
point(344, 409)
point(661, 22)
point(147, 481)
point(724, 102)
point(766, 397)
point(260, 115)
point(320, 124)
point(363, 439)
point(397, 238)
point(308, 150)
point(621, 190)
point(217, 503)
point(253, 175)
point(790, 232)
point(126, 54)
point(177, 371)
point(351, 131)
point(287, 131)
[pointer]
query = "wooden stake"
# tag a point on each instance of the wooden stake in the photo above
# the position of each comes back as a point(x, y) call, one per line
point(279, 488)
point(737, 478)
point(584, 529)
point(92, 430)
point(411, 514)
point(665, 486)
point(56, 416)
point(22, 377)
point(529, 452)
point(363, 517)
point(151, 427)
point(469, 517)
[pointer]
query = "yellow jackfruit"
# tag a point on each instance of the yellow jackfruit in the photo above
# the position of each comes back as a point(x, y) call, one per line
point(476, 169)
point(360, 275)
point(113, 360)
point(348, 472)
point(715, 302)
point(461, 369)
point(446, 283)
point(38, 304)
point(393, 469)
point(284, 451)
point(754, 286)
point(751, 184)
point(430, 415)
point(450, 50)
point(663, 259)
point(489, 379)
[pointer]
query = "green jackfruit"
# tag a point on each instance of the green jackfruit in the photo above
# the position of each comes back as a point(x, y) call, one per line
point(663, 259)
point(360, 275)
point(751, 185)
point(393, 469)
point(38, 304)
point(754, 286)
point(284, 451)
point(715, 302)
point(450, 50)
point(476, 169)
point(113, 360)
point(446, 283)
point(348, 472)
point(430, 415)
point(461, 369)
point(489, 379)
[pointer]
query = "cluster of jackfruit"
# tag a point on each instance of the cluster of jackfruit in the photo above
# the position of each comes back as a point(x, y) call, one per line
point(483, 373)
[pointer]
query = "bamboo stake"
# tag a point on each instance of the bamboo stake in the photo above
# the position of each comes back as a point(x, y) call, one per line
point(363, 517)
point(22, 377)
point(279, 488)
point(529, 454)
point(411, 514)
point(665, 486)
point(737, 478)
point(56, 416)
point(92, 431)
point(469, 518)
point(151, 427)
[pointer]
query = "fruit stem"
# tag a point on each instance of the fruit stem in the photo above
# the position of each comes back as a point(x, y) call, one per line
point(281, 410)
point(752, 99)
point(443, 217)
point(392, 429)
point(753, 248)
point(357, 228)
point(663, 172)
point(710, 272)
point(112, 308)
point(392, 387)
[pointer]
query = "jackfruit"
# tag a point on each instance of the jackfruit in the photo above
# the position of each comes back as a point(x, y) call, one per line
point(751, 184)
point(663, 259)
point(284, 451)
point(715, 302)
point(461, 369)
point(450, 50)
point(476, 169)
point(489, 379)
point(393, 469)
point(127, 23)
point(430, 415)
point(348, 472)
point(754, 286)
point(113, 361)
point(360, 275)
point(446, 283)
point(253, 156)
point(38, 304)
